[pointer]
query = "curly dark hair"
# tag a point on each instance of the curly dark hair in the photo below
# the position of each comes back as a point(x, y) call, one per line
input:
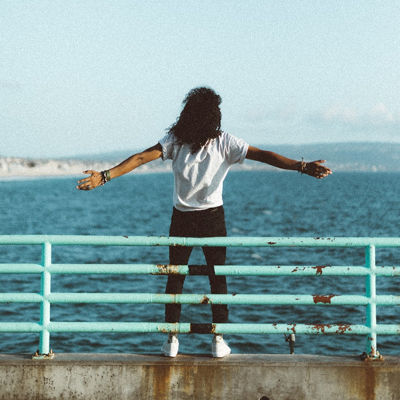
point(199, 120)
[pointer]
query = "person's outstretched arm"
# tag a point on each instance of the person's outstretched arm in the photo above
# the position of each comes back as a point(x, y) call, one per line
point(95, 179)
point(313, 168)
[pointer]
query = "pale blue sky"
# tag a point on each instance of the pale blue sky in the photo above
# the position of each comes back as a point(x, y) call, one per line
point(92, 76)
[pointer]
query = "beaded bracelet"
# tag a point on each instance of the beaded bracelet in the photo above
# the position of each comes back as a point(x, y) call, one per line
point(105, 176)
point(303, 166)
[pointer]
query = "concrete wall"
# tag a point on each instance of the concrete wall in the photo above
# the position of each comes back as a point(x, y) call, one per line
point(242, 377)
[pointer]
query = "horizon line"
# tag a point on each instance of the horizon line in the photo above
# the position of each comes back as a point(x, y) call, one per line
point(99, 153)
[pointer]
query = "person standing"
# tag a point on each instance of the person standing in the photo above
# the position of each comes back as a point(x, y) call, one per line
point(201, 155)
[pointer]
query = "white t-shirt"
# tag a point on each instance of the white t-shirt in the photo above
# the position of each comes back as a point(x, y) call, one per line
point(199, 177)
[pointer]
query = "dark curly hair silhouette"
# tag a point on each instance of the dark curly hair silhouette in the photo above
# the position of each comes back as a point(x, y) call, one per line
point(199, 120)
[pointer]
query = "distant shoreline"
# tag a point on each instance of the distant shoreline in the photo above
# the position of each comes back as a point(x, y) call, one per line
point(360, 157)
point(350, 157)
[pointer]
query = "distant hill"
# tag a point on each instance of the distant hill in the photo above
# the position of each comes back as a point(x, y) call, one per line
point(372, 157)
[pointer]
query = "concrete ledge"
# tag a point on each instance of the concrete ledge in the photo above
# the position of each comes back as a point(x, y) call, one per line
point(242, 377)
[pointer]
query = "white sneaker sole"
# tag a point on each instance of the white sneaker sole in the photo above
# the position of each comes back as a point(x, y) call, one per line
point(170, 355)
point(221, 354)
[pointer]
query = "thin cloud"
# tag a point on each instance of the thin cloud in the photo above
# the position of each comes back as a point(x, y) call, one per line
point(339, 114)
point(381, 113)
point(377, 115)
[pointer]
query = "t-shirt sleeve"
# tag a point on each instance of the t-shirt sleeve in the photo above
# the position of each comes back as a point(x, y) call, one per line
point(236, 149)
point(167, 145)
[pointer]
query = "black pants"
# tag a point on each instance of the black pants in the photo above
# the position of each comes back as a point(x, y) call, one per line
point(204, 223)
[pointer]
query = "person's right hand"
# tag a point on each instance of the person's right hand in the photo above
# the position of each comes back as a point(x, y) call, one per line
point(91, 182)
point(316, 169)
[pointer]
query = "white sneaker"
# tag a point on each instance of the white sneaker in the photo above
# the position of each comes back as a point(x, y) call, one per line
point(171, 346)
point(220, 347)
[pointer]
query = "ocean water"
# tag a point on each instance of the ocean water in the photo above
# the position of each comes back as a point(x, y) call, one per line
point(257, 203)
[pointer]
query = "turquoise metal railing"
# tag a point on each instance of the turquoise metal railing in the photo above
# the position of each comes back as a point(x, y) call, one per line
point(46, 297)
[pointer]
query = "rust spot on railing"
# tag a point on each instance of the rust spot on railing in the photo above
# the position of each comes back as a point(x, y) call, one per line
point(173, 295)
point(320, 328)
point(166, 269)
point(293, 328)
point(323, 299)
point(271, 243)
point(205, 300)
point(343, 328)
point(298, 269)
point(319, 269)
point(126, 237)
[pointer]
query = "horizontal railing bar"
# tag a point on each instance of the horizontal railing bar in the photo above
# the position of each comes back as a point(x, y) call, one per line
point(207, 328)
point(387, 300)
point(387, 270)
point(147, 327)
point(20, 298)
point(156, 298)
point(21, 268)
point(388, 329)
point(23, 327)
point(231, 270)
point(137, 269)
point(148, 298)
point(232, 241)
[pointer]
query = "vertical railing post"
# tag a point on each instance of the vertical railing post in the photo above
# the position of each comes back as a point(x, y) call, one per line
point(370, 286)
point(44, 343)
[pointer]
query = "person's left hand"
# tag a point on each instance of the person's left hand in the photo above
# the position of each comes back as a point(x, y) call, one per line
point(91, 182)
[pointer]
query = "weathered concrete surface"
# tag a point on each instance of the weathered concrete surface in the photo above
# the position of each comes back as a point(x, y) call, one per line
point(241, 377)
